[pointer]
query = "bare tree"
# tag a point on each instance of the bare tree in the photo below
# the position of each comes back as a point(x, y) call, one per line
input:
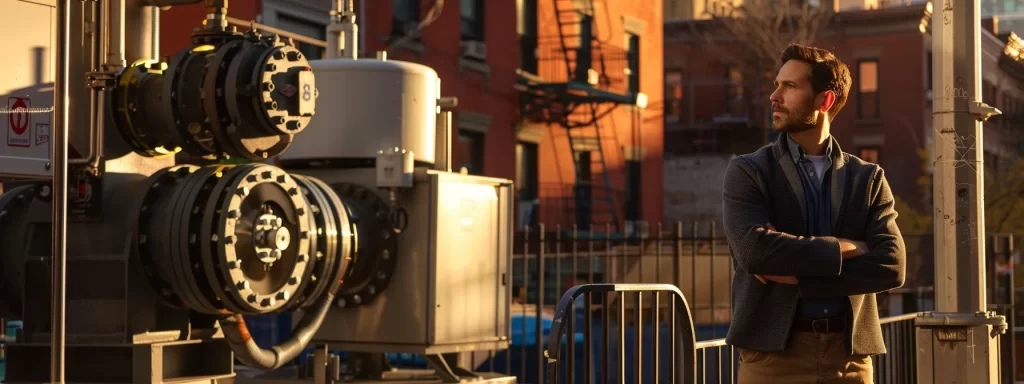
point(751, 34)
point(763, 28)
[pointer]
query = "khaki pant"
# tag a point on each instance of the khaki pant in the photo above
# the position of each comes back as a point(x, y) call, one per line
point(811, 358)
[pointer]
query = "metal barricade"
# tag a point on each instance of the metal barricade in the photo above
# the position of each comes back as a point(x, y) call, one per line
point(647, 361)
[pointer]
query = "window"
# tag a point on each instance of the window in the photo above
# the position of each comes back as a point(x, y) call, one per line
point(633, 57)
point(471, 151)
point(527, 26)
point(527, 171)
point(306, 28)
point(869, 154)
point(867, 89)
point(734, 91)
point(405, 14)
point(634, 189)
point(472, 12)
point(673, 96)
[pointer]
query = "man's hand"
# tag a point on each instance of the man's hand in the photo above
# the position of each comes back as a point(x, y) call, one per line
point(851, 248)
point(777, 279)
point(792, 280)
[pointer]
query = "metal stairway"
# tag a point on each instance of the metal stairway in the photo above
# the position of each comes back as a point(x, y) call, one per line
point(594, 197)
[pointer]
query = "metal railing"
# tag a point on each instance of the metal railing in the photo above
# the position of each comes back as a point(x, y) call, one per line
point(642, 359)
point(897, 366)
point(549, 260)
point(634, 355)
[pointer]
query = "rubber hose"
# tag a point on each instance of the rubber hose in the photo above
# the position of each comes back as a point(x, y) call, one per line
point(252, 355)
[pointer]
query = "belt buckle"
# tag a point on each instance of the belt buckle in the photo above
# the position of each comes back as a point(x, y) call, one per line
point(815, 322)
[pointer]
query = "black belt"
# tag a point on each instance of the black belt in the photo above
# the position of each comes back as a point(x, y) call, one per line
point(828, 325)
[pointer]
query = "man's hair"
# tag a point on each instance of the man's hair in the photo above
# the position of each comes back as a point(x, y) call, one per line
point(828, 73)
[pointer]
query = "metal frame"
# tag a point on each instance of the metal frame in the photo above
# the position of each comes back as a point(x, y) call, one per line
point(683, 353)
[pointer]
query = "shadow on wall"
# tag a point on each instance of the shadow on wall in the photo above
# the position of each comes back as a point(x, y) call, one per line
point(693, 187)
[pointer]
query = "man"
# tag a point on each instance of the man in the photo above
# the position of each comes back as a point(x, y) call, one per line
point(813, 235)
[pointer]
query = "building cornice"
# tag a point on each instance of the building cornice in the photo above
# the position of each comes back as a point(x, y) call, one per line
point(845, 24)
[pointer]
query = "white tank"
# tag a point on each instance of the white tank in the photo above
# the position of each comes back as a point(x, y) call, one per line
point(368, 105)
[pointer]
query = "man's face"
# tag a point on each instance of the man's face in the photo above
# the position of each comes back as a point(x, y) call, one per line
point(794, 104)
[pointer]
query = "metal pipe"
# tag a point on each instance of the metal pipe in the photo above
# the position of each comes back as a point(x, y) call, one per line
point(114, 18)
point(280, 32)
point(102, 60)
point(156, 32)
point(60, 188)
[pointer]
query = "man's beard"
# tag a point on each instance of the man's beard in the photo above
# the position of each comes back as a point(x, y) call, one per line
point(787, 123)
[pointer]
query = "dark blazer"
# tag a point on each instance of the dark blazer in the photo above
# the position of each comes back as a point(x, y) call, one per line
point(764, 187)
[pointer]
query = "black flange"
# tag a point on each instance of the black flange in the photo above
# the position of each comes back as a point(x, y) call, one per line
point(373, 263)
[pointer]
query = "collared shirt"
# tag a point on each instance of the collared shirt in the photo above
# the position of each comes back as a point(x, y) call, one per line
point(816, 178)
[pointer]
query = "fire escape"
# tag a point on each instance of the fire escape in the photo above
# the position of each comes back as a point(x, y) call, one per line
point(577, 100)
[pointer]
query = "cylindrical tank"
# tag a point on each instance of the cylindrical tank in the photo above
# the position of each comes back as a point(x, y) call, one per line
point(367, 106)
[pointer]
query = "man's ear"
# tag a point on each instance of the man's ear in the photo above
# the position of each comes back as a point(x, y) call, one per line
point(828, 98)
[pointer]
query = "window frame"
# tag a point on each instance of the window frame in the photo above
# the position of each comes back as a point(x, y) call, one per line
point(877, 92)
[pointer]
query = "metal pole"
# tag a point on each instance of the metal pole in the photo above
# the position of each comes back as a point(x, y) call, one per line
point(60, 188)
point(958, 343)
point(959, 180)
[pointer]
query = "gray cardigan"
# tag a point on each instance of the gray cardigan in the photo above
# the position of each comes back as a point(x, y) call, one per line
point(764, 187)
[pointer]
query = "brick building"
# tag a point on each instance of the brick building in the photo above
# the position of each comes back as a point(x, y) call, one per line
point(475, 47)
point(597, 64)
point(714, 109)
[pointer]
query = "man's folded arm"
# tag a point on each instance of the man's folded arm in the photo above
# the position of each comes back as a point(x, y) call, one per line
point(880, 269)
point(759, 250)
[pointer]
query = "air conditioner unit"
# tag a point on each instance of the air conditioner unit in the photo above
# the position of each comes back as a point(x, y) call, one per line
point(474, 49)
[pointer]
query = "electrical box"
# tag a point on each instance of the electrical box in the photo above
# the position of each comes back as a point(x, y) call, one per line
point(26, 88)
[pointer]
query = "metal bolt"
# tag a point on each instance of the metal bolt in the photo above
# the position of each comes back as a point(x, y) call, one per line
point(293, 280)
point(252, 298)
point(243, 191)
point(293, 191)
point(283, 295)
point(271, 67)
point(243, 285)
point(282, 179)
point(267, 175)
point(235, 264)
point(234, 213)
point(301, 257)
point(267, 302)
point(301, 212)
point(251, 178)
point(268, 86)
point(278, 55)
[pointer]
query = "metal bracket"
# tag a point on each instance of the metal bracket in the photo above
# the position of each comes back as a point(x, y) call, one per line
point(449, 373)
point(103, 79)
point(982, 111)
point(943, 319)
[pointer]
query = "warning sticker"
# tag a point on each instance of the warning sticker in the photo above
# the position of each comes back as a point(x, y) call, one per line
point(42, 133)
point(18, 122)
